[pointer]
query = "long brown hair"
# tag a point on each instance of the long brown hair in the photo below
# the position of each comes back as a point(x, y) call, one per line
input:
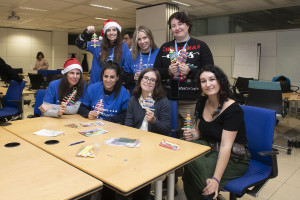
point(106, 45)
point(158, 92)
point(64, 89)
point(135, 47)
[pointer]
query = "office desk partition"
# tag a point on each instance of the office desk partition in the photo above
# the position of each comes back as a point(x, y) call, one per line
point(28, 173)
point(120, 168)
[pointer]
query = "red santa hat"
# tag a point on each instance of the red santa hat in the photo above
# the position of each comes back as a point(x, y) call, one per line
point(107, 24)
point(70, 64)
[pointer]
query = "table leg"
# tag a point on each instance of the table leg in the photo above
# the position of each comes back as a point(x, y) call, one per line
point(22, 98)
point(158, 189)
point(171, 185)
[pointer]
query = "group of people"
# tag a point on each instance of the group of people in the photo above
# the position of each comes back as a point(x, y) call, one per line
point(121, 80)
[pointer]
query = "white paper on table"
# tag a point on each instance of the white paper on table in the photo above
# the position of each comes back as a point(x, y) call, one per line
point(49, 133)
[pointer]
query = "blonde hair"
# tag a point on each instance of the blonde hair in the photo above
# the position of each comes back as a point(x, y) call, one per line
point(135, 47)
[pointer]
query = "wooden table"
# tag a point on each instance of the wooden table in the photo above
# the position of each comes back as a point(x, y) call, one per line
point(29, 173)
point(120, 168)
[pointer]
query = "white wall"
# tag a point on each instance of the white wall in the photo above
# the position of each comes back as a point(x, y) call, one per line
point(19, 47)
point(276, 59)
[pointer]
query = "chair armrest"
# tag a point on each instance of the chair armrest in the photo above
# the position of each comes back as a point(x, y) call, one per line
point(273, 155)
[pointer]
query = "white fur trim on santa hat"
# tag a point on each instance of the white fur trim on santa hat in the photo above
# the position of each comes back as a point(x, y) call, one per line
point(70, 67)
point(110, 24)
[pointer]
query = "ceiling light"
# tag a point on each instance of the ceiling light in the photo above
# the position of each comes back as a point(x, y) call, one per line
point(35, 9)
point(96, 5)
point(100, 18)
point(178, 2)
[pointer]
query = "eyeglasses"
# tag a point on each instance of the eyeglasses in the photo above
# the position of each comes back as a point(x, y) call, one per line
point(146, 79)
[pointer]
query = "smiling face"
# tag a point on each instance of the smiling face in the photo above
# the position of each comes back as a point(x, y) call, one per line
point(148, 82)
point(109, 79)
point(180, 30)
point(73, 77)
point(112, 33)
point(143, 42)
point(209, 83)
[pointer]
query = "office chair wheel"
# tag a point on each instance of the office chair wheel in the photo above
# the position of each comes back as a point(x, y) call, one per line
point(289, 151)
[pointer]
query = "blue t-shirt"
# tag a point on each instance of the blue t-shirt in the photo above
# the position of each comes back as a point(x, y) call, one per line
point(97, 66)
point(52, 96)
point(109, 106)
point(144, 62)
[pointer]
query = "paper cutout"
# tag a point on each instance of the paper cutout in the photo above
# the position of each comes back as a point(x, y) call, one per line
point(95, 41)
point(88, 124)
point(49, 133)
point(148, 103)
point(169, 145)
point(70, 98)
point(93, 132)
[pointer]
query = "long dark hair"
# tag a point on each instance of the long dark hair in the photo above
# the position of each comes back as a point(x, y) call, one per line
point(158, 92)
point(64, 89)
point(224, 92)
point(106, 45)
point(114, 66)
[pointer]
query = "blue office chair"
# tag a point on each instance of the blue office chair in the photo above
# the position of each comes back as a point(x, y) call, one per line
point(12, 107)
point(40, 94)
point(260, 125)
point(266, 94)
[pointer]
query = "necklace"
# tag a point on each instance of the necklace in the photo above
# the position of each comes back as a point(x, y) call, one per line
point(215, 113)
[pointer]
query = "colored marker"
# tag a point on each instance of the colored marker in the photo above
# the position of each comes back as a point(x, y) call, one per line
point(76, 143)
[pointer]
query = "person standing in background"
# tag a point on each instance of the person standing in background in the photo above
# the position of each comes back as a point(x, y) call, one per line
point(179, 60)
point(128, 39)
point(41, 62)
point(111, 48)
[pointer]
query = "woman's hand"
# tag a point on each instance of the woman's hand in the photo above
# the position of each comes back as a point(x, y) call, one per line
point(184, 69)
point(92, 115)
point(191, 134)
point(136, 76)
point(150, 116)
point(90, 29)
point(62, 108)
point(173, 68)
point(212, 186)
point(44, 107)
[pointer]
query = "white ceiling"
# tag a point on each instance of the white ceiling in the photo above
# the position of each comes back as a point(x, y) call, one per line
point(74, 15)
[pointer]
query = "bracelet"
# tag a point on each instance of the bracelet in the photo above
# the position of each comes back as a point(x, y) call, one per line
point(215, 179)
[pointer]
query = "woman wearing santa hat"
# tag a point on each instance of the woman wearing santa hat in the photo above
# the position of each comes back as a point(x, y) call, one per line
point(111, 48)
point(64, 95)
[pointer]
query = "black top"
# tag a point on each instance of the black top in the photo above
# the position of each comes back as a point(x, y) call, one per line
point(231, 119)
point(199, 55)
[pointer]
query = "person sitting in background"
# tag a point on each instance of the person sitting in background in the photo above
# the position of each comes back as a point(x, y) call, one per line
point(7, 72)
point(219, 123)
point(41, 62)
point(64, 95)
point(106, 99)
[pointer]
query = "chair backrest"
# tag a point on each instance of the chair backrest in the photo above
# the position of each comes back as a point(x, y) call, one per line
point(46, 72)
point(36, 80)
point(260, 125)
point(52, 77)
point(265, 95)
point(40, 94)
point(18, 70)
point(14, 92)
point(242, 84)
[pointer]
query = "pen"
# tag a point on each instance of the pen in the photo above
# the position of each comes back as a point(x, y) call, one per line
point(76, 143)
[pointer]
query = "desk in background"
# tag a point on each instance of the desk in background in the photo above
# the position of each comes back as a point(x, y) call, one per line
point(121, 168)
point(28, 173)
point(292, 97)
